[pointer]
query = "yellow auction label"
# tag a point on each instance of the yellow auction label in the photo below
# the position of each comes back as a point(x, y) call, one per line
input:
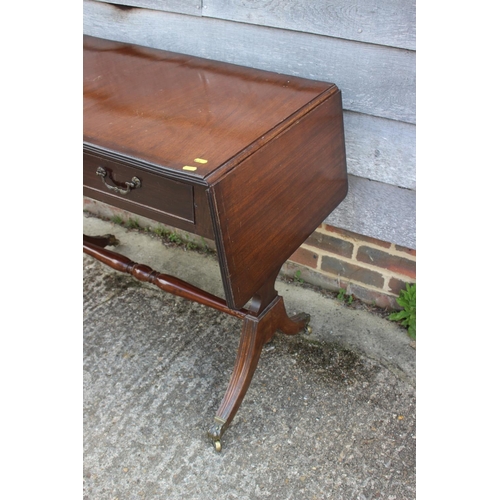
point(189, 167)
point(200, 160)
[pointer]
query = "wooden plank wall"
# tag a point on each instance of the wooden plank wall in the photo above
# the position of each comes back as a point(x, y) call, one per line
point(366, 47)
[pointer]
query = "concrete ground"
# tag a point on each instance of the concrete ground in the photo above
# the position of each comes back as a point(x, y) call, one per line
point(328, 415)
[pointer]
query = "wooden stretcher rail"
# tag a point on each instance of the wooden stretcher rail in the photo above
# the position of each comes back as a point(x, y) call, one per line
point(165, 282)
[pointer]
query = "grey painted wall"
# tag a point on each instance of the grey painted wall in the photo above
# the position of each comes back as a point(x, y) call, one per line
point(366, 47)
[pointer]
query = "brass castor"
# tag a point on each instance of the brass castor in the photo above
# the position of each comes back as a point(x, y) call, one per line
point(215, 433)
point(309, 330)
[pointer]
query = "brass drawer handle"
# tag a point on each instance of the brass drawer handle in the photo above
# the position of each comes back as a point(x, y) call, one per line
point(136, 183)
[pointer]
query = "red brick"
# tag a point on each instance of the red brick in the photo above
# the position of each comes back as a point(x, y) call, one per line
point(331, 244)
point(380, 299)
point(409, 251)
point(334, 283)
point(355, 236)
point(305, 257)
point(387, 261)
point(351, 272)
point(395, 285)
point(311, 276)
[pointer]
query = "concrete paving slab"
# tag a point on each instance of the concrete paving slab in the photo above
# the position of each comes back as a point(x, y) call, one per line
point(328, 415)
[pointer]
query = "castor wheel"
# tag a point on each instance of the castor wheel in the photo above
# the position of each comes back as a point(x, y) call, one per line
point(308, 330)
point(215, 433)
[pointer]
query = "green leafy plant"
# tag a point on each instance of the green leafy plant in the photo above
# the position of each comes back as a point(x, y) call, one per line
point(132, 224)
point(174, 238)
point(344, 297)
point(204, 245)
point(116, 219)
point(161, 232)
point(167, 235)
point(408, 315)
point(297, 277)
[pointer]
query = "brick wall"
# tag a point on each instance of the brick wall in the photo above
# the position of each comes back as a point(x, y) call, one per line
point(371, 270)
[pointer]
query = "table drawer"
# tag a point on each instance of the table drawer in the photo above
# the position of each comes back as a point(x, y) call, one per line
point(137, 190)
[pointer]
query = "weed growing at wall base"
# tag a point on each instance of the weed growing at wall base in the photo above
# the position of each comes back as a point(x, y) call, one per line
point(344, 297)
point(408, 316)
point(297, 277)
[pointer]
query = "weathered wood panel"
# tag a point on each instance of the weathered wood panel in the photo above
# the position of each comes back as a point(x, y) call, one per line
point(378, 210)
point(375, 80)
point(191, 7)
point(384, 22)
point(380, 150)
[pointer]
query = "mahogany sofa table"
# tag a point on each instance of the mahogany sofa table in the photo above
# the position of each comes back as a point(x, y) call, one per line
point(251, 159)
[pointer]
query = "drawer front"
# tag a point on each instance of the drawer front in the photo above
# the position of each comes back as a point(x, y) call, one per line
point(137, 190)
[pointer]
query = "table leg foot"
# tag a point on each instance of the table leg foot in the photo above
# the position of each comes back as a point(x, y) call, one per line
point(256, 331)
point(102, 241)
point(215, 433)
point(293, 325)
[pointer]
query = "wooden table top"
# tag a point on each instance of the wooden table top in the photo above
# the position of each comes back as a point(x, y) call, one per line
point(182, 113)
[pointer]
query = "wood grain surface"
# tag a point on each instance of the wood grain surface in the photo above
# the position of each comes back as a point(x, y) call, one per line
point(190, 7)
point(182, 113)
point(383, 22)
point(269, 204)
point(375, 79)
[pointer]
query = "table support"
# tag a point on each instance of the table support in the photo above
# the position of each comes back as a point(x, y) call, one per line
point(93, 246)
point(265, 315)
point(256, 331)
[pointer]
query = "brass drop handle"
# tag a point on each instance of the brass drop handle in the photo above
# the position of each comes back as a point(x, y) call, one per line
point(134, 184)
